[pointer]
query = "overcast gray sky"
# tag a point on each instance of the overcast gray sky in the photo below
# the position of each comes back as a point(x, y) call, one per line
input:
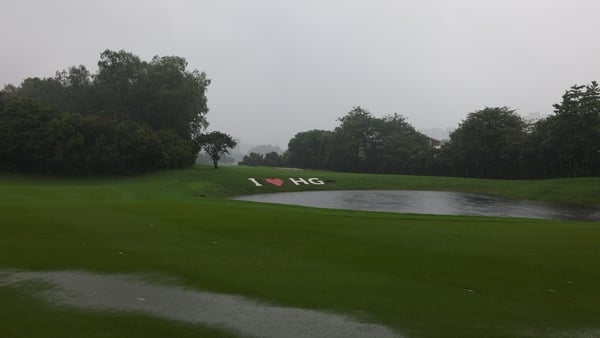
point(279, 67)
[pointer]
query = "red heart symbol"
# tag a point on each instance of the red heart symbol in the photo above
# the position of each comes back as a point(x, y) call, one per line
point(274, 181)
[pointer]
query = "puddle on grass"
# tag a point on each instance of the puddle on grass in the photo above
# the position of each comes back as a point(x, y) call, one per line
point(126, 293)
point(549, 333)
point(590, 333)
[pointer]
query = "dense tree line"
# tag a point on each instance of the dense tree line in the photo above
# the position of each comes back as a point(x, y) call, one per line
point(494, 142)
point(363, 143)
point(498, 143)
point(37, 137)
point(567, 144)
point(487, 143)
point(131, 116)
point(270, 159)
point(134, 116)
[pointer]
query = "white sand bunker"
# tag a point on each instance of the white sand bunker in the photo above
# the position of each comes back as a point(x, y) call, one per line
point(125, 293)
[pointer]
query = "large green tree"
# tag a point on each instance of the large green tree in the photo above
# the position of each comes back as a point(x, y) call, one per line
point(161, 93)
point(365, 143)
point(356, 142)
point(486, 144)
point(567, 144)
point(130, 116)
point(362, 143)
point(575, 131)
point(308, 149)
point(404, 149)
point(25, 134)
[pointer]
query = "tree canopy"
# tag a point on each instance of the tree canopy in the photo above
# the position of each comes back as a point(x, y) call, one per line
point(270, 159)
point(362, 143)
point(134, 115)
point(486, 144)
point(572, 135)
point(130, 116)
point(494, 142)
point(216, 144)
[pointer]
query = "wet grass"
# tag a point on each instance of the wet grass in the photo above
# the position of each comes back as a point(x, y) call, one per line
point(233, 181)
point(22, 316)
point(424, 276)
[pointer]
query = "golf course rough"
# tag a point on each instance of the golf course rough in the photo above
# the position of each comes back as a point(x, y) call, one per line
point(419, 275)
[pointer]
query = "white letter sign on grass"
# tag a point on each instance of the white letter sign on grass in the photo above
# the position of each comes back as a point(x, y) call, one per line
point(278, 182)
point(316, 181)
point(253, 180)
point(298, 181)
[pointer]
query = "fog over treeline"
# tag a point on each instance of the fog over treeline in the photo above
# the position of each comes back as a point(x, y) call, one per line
point(494, 142)
point(279, 67)
point(130, 116)
point(134, 115)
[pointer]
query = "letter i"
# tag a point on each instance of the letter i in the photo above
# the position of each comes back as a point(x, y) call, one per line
point(255, 182)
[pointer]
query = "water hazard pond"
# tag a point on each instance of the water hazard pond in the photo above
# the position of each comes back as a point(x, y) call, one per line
point(430, 202)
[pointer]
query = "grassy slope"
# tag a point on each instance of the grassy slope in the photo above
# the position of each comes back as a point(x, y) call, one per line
point(233, 181)
point(406, 271)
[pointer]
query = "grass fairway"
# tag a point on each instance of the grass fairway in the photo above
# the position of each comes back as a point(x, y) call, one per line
point(423, 276)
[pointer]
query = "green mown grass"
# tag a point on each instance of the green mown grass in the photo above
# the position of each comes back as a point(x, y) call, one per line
point(412, 273)
point(233, 181)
